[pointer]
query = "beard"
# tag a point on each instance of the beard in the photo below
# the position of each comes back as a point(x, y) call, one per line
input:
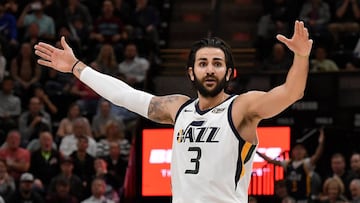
point(220, 86)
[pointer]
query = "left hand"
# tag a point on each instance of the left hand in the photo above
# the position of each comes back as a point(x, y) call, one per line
point(300, 43)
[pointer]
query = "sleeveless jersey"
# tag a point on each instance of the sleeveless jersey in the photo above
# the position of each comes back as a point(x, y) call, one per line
point(298, 181)
point(210, 161)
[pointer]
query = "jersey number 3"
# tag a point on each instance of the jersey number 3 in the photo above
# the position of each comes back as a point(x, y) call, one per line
point(195, 160)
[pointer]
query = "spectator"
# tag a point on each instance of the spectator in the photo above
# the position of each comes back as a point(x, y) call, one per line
point(116, 166)
point(32, 34)
point(56, 83)
point(62, 193)
point(69, 143)
point(55, 10)
point(48, 105)
point(338, 168)
point(34, 13)
point(8, 31)
point(299, 169)
point(354, 166)
point(25, 192)
point(279, 60)
point(333, 191)
point(133, 67)
point(355, 190)
point(109, 29)
point(106, 60)
point(35, 144)
point(114, 133)
point(102, 117)
point(17, 158)
point(75, 10)
point(316, 16)
point(3, 70)
point(26, 73)
point(34, 120)
point(7, 183)
point(66, 124)
point(87, 98)
point(346, 18)
point(280, 190)
point(79, 35)
point(146, 20)
point(83, 163)
point(76, 187)
point(252, 199)
point(102, 172)
point(288, 200)
point(10, 107)
point(274, 20)
point(321, 62)
point(98, 188)
point(14, 7)
point(45, 162)
point(123, 10)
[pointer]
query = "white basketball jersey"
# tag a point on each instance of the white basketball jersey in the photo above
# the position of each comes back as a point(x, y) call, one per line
point(211, 163)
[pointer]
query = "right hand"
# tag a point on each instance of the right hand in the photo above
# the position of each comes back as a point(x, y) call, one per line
point(58, 59)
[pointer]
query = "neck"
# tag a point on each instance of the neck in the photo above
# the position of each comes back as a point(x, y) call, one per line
point(210, 102)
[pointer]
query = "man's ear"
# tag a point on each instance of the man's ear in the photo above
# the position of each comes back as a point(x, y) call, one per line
point(191, 73)
point(228, 74)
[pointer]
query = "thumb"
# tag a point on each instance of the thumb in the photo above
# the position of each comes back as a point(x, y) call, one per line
point(282, 39)
point(64, 44)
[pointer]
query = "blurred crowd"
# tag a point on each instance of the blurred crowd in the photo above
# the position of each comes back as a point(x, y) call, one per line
point(332, 24)
point(60, 141)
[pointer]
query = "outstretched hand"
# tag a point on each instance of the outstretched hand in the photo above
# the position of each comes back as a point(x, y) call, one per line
point(300, 43)
point(58, 59)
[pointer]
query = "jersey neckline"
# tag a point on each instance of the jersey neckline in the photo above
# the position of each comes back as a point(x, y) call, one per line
point(202, 112)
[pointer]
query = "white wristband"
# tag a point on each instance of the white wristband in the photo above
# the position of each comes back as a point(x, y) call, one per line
point(117, 91)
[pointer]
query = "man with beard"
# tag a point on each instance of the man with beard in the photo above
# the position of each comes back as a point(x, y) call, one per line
point(215, 134)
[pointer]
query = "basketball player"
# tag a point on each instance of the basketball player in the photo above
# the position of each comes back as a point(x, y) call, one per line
point(215, 134)
point(302, 181)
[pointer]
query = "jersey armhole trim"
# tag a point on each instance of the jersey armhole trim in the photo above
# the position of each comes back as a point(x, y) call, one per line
point(231, 123)
point(182, 107)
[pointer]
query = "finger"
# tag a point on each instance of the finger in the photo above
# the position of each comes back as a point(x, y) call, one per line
point(44, 63)
point(301, 28)
point(50, 48)
point(306, 32)
point(311, 42)
point(42, 49)
point(64, 44)
point(282, 39)
point(42, 55)
point(296, 27)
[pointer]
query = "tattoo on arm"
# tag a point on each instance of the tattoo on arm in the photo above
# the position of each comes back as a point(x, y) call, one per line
point(79, 69)
point(159, 109)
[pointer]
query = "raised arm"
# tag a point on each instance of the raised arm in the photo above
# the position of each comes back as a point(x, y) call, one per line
point(320, 148)
point(159, 109)
point(268, 159)
point(262, 105)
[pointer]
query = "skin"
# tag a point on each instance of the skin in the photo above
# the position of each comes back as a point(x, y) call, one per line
point(248, 108)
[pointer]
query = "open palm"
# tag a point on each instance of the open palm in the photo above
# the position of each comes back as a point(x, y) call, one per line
point(300, 42)
point(59, 59)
